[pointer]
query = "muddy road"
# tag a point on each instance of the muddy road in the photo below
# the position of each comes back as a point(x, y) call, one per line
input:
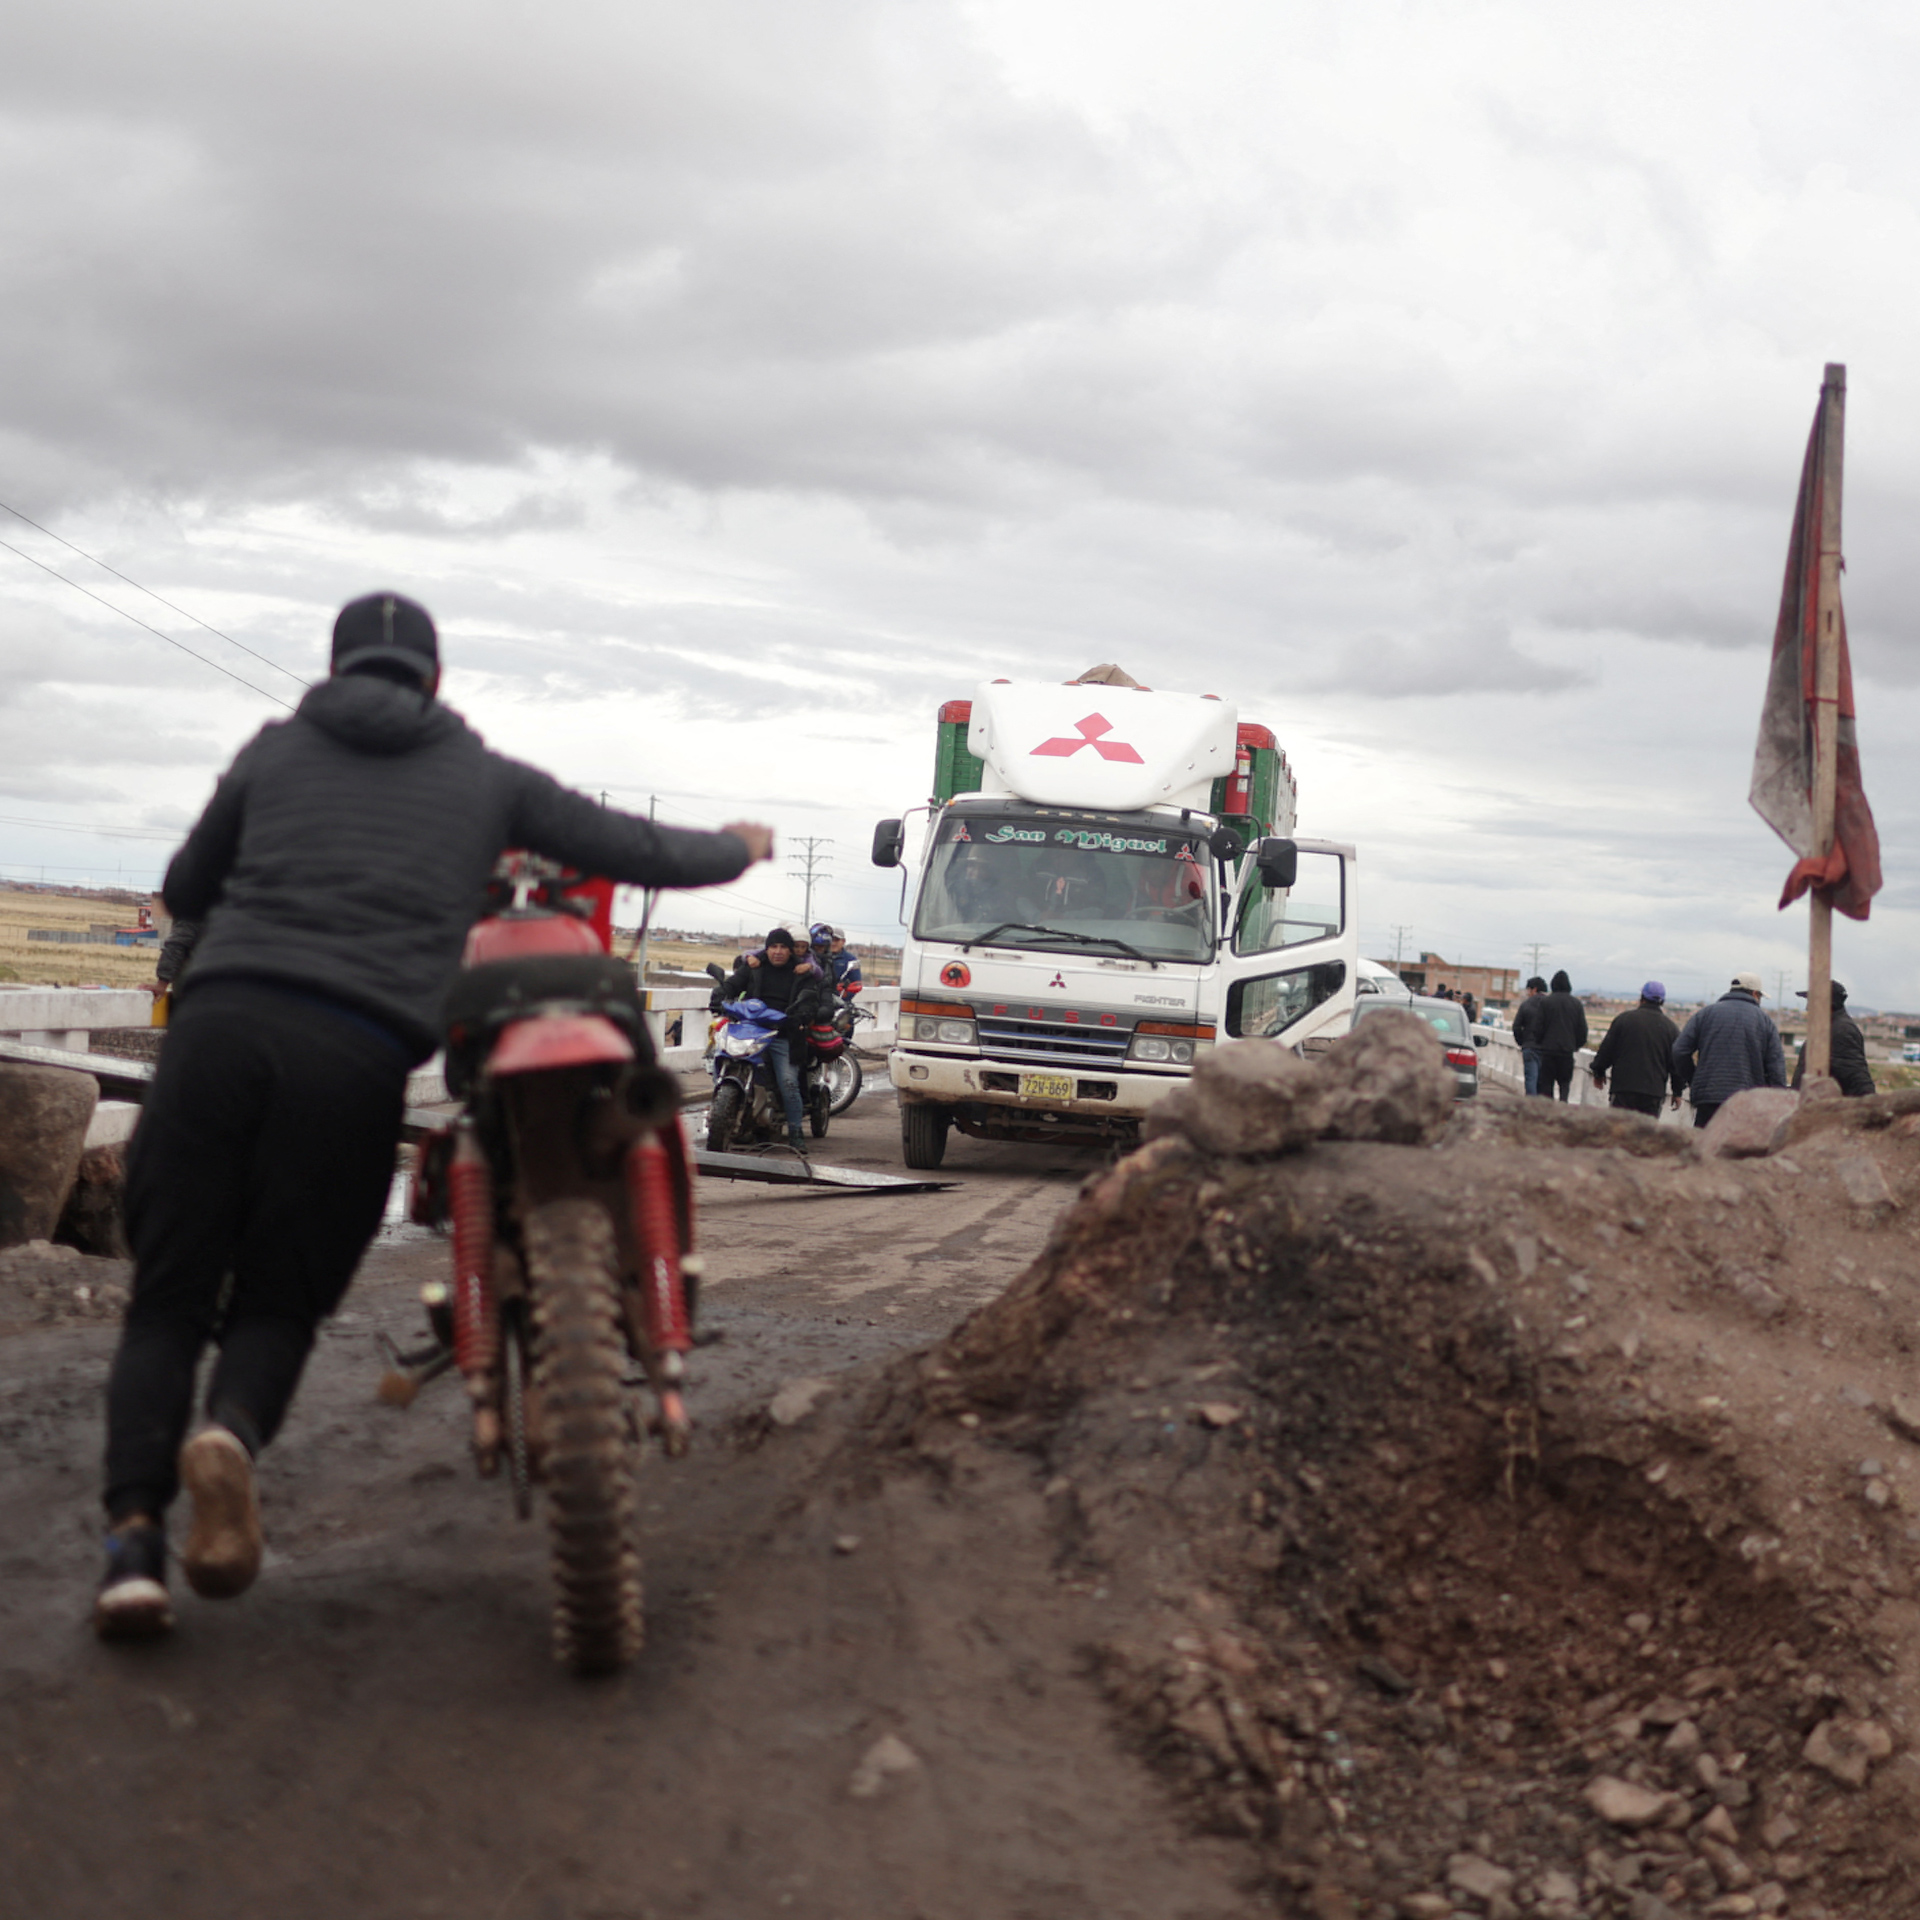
point(378, 1727)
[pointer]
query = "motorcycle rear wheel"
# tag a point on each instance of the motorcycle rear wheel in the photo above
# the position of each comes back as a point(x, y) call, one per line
point(843, 1076)
point(587, 1455)
point(723, 1117)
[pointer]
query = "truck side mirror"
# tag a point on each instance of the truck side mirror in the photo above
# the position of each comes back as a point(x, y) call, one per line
point(1226, 845)
point(1279, 863)
point(889, 839)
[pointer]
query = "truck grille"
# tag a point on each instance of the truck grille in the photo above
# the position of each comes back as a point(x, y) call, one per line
point(1038, 1043)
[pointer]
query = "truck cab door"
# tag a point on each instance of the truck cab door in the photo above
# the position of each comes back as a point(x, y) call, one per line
point(1290, 958)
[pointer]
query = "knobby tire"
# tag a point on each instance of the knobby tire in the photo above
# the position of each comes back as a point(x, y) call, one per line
point(588, 1452)
point(723, 1117)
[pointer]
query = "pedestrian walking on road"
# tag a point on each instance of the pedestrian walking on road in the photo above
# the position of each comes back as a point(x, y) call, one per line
point(1472, 1007)
point(1526, 1031)
point(1563, 1032)
point(1728, 1046)
point(336, 871)
point(1638, 1051)
point(1848, 1051)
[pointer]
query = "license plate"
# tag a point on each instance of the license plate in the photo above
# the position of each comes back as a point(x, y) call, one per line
point(1046, 1086)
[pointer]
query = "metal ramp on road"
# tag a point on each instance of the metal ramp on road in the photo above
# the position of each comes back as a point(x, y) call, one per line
point(130, 1079)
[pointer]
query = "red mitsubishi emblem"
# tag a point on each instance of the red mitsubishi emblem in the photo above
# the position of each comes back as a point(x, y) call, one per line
point(1090, 729)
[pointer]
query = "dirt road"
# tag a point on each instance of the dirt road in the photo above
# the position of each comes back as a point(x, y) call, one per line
point(378, 1729)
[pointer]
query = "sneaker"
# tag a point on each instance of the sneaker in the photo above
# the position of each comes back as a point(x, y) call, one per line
point(132, 1603)
point(222, 1554)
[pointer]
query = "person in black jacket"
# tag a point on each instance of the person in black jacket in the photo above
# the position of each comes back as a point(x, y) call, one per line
point(336, 871)
point(1638, 1051)
point(797, 988)
point(1847, 1058)
point(1526, 1031)
point(1563, 1032)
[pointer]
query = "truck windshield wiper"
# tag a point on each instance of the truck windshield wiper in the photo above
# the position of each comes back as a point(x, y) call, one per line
point(1058, 933)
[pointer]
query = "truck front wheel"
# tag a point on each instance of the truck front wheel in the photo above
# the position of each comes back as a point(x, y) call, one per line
point(923, 1135)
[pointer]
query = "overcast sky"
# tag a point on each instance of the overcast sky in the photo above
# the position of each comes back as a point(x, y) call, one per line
point(735, 383)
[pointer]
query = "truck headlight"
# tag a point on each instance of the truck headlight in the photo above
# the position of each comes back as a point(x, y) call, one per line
point(955, 1033)
point(1165, 1043)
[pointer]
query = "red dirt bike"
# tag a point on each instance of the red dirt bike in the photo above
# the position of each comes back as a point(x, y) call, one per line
point(567, 1186)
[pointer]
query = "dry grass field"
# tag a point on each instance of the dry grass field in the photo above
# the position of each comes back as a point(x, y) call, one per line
point(41, 963)
point(45, 963)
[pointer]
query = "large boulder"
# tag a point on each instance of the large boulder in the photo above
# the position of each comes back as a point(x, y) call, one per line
point(1750, 1124)
point(44, 1113)
point(1383, 1081)
point(94, 1218)
point(1252, 1101)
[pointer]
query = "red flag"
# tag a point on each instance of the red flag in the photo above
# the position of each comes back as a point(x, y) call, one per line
point(1848, 876)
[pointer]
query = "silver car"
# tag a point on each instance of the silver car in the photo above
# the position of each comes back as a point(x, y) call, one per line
point(1448, 1019)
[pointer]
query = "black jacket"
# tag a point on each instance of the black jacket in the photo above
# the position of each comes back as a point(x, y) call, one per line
point(802, 997)
point(1849, 1058)
point(1527, 1017)
point(1563, 1024)
point(346, 851)
point(1638, 1051)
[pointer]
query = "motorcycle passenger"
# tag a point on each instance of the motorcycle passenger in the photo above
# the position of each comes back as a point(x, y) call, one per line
point(793, 987)
point(336, 871)
point(843, 965)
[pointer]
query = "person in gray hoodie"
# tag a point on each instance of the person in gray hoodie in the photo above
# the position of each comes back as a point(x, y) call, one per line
point(336, 871)
point(1728, 1046)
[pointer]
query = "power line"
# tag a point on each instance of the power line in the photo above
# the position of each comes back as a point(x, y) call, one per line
point(105, 833)
point(811, 861)
point(155, 631)
point(151, 595)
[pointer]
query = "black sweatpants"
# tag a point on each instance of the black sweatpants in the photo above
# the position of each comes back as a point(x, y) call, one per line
point(1556, 1073)
point(1647, 1103)
point(257, 1175)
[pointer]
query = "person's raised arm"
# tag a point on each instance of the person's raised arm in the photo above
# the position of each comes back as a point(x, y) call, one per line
point(551, 819)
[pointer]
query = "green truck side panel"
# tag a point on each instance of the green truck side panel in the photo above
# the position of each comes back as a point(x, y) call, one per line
point(1265, 785)
point(955, 770)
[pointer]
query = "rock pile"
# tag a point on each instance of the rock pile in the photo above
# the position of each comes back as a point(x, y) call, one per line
point(1524, 1525)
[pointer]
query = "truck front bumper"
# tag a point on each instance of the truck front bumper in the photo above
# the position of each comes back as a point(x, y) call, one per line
point(984, 1093)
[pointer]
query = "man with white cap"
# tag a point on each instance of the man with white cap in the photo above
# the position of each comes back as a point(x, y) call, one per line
point(1638, 1051)
point(1731, 1044)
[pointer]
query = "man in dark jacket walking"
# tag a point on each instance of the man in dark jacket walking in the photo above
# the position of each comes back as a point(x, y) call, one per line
point(1728, 1046)
point(337, 869)
point(1638, 1051)
point(1848, 1053)
point(1563, 1032)
point(1526, 1031)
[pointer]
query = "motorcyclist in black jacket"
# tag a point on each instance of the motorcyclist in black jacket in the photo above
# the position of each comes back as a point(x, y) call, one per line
point(794, 984)
point(337, 869)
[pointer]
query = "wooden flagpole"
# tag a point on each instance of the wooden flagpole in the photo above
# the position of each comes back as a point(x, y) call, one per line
point(1826, 719)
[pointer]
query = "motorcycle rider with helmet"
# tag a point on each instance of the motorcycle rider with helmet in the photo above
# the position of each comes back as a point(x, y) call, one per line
point(795, 987)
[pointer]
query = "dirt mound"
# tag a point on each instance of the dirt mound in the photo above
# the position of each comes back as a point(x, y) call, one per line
point(43, 1284)
point(1519, 1527)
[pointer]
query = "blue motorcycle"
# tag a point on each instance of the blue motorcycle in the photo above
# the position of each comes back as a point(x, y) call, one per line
point(746, 1109)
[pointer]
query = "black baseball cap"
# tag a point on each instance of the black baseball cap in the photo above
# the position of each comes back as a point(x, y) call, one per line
point(386, 628)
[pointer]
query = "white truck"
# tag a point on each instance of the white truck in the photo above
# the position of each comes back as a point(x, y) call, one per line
point(1104, 885)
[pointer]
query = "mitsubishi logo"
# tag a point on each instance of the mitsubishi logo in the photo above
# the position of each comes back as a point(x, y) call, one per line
point(1056, 981)
point(1090, 731)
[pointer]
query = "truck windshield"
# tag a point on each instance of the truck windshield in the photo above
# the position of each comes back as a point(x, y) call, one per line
point(1147, 889)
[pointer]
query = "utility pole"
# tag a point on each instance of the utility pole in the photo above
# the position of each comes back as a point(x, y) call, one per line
point(646, 909)
point(1537, 949)
point(1399, 940)
point(812, 860)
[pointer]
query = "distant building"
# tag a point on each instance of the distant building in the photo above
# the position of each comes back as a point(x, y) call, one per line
point(1491, 986)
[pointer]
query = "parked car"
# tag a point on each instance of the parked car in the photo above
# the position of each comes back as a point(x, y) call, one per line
point(1448, 1019)
point(1370, 977)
